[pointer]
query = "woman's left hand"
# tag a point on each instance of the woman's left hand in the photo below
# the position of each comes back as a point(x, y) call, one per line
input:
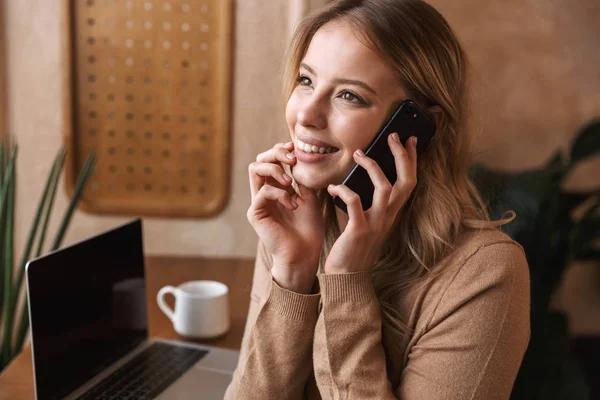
point(356, 248)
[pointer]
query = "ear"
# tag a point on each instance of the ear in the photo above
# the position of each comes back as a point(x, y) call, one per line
point(437, 114)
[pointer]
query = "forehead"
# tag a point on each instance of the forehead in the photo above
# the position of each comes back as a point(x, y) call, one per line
point(336, 51)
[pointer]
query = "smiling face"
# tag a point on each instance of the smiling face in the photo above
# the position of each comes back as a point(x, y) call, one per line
point(344, 93)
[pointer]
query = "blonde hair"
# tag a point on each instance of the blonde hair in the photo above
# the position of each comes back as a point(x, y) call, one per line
point(420, 46)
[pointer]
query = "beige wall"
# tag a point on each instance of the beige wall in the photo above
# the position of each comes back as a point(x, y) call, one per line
point(537, 73)
point(537, 79)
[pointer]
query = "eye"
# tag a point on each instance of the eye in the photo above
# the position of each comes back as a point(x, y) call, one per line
point(351, 97)
point(304, 80)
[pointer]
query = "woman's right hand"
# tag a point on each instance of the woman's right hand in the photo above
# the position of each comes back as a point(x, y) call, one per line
point(289, 225)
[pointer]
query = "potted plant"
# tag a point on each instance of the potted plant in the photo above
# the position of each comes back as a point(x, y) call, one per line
point(15, 319)
point(553, 238)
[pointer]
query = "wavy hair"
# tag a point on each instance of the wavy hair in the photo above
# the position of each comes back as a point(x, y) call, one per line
point(432, 67)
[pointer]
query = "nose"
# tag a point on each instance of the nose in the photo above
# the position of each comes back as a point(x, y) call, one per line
point(312, 113)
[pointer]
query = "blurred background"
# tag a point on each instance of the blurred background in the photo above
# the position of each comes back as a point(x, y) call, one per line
point(536, 85)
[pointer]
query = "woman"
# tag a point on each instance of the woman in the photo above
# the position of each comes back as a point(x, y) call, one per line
point(419, 297)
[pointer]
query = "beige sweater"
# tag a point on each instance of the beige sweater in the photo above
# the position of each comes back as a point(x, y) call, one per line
point(470, 331)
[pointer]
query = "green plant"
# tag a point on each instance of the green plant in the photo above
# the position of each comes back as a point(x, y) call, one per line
point(556, 228)
point(14, 324)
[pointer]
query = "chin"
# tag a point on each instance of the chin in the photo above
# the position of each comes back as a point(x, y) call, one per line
point(309, 179)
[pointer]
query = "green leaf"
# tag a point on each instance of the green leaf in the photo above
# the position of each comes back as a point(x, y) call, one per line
point(587, 233)
point(571, 200)
point(35, 224)
point(79, 186)
point(22, 328)
point(590, 229)
point(556, 161)
point(588, 254)
point(7, 175)
point(2, 145)
point(556, 167)
point(587, 143)
point(9, 307)
point(54, 177)
point(1, 234)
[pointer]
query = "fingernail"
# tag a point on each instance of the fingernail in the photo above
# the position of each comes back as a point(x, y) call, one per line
point(360, 153)
point(414, 140)
point(294, 204)
point(331, 185)
point(287, 177)
point(289, 155)
point(395, 137)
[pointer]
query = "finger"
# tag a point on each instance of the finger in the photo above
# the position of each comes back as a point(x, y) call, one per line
point(269, 193)
point(406, 169)
point(383, 187)
point(356, 214)
point(279, 153)
point(287, 145)
point(259, 172)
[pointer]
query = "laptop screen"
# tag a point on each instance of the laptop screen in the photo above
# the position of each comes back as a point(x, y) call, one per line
point(87, 308)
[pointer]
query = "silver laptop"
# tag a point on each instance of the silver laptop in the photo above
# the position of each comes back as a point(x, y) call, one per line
point(87, 308)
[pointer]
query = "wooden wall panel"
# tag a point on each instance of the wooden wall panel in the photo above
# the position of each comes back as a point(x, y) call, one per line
point(149, 86)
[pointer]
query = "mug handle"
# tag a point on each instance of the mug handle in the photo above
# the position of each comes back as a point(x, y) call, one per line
point(162, 304)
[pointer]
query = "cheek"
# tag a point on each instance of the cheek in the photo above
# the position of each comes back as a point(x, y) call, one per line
point(355, 132)
point(291, 111)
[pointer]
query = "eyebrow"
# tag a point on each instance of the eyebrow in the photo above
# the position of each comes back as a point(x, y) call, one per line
point(343, 81)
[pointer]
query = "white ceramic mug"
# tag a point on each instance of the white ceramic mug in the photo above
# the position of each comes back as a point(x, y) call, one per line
point(201, 308)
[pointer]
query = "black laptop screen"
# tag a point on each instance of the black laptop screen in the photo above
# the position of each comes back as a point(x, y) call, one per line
point(88, 308)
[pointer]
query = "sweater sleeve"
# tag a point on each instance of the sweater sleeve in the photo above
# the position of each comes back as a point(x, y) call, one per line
point(276, 355)
point(348, 352)
point(475, 338)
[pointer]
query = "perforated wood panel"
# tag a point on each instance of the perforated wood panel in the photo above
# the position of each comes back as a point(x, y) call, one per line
point(148, 88)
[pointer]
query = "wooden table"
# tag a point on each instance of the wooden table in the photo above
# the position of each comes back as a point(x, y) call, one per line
point(16, 381)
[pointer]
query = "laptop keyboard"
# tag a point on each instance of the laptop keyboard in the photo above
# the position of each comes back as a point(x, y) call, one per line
point(146, 375)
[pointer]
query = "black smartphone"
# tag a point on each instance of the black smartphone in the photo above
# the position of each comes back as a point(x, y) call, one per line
point(408, 120)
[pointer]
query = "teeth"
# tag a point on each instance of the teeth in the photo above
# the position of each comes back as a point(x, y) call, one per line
point(315, 149)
